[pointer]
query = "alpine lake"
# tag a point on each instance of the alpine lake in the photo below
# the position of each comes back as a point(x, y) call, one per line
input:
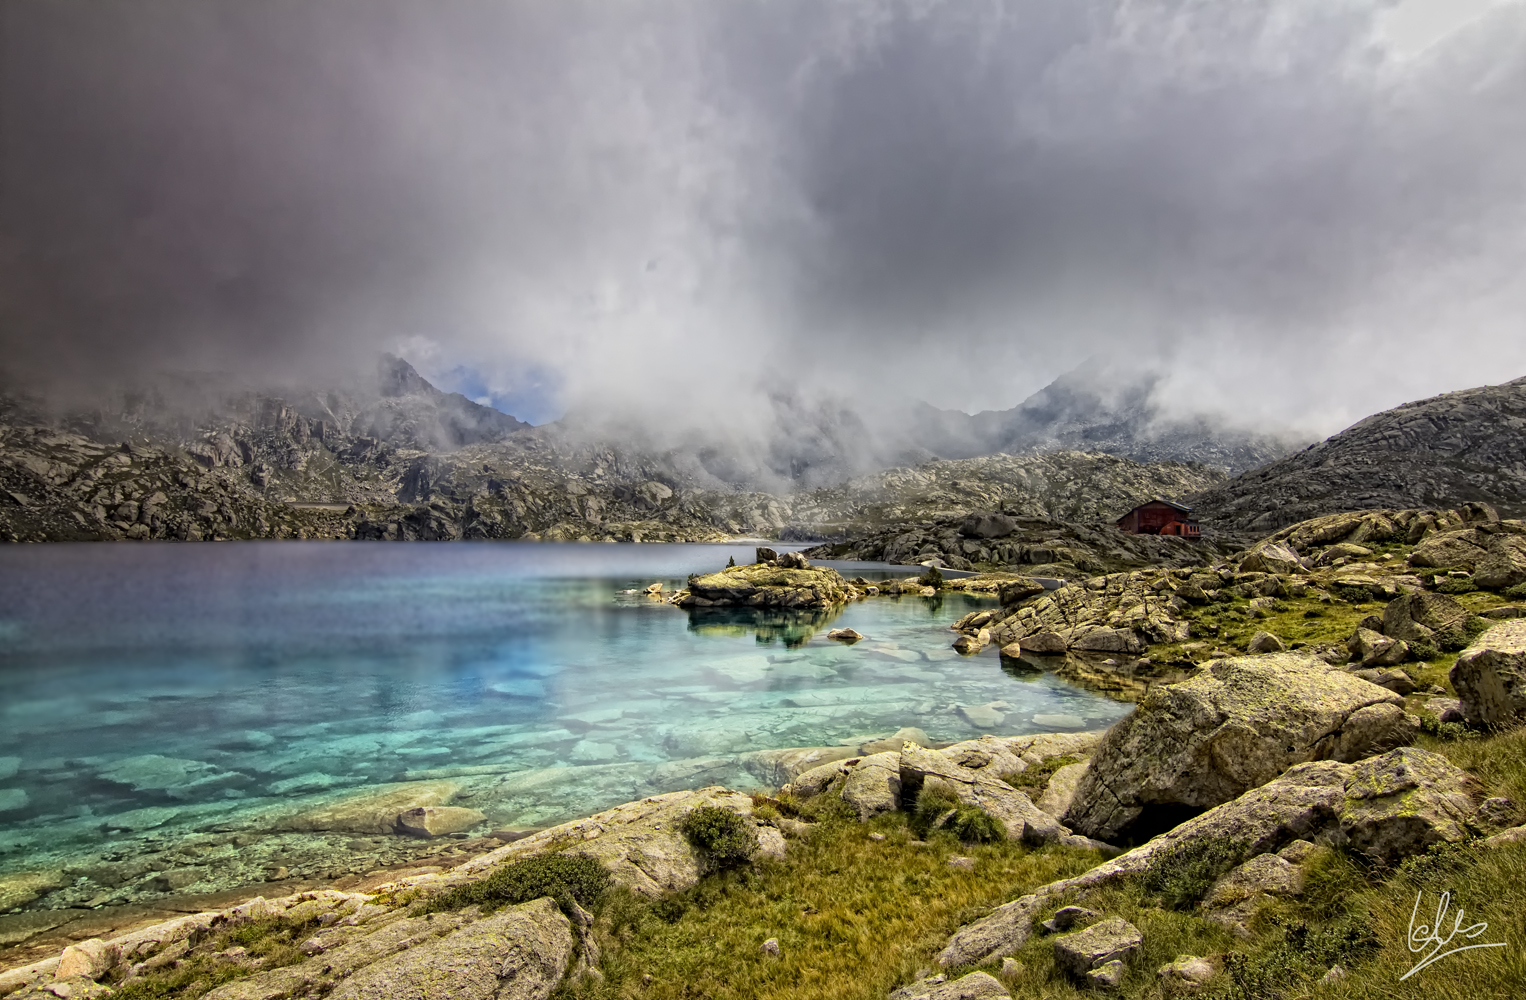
point(172, 717)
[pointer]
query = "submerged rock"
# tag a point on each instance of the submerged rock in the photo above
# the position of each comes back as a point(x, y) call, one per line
point(371, 810)
point(436, 821)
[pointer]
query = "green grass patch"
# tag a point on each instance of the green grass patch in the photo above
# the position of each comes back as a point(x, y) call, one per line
point(855, 918)
point(1036, 778)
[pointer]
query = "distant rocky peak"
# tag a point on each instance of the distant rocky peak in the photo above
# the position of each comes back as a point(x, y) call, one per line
point(396, 377)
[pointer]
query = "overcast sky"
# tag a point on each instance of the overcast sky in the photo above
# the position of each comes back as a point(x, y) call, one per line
point(1303, 210)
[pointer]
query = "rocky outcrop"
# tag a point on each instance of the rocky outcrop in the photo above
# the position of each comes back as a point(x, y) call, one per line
point(1446, 450)
point(1391, 807)
point(518, 953)
point(1040, 545)
point(1490, 676)
point(922, 770)
point(975, 772)
point(1237, 725)
point(873, 785)
point(1239, 895)
point(639, 842)
point(1117, 613)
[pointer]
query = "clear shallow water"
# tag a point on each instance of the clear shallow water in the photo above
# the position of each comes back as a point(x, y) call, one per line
point(180, 687)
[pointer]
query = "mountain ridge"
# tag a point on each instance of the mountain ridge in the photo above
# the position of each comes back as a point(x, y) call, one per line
point(1442, 451)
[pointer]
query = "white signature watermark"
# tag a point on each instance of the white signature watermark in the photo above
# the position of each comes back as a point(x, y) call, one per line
point(1428, 940)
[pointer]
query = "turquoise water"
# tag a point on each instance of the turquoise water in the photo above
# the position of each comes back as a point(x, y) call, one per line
point(179, 687)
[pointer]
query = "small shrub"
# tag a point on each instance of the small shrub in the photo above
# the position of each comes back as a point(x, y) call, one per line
point(1182, 874)
point(723, 837)
point(1432, 725)
point(1457, 585)
point(786, 803)
point(1517, 592)
point(1477, 625)
point(565, 877)
point(1423, 650)
point(932, 578)
point(1303, 954)
point(670, 909)
point(1440, 868)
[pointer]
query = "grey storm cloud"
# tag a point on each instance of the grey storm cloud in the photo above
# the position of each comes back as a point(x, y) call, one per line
point(672, 206)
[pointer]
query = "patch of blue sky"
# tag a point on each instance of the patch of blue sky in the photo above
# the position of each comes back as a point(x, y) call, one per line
point(533, 395)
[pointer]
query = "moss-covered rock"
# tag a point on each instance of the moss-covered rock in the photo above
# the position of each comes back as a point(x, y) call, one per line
point(1237, 725)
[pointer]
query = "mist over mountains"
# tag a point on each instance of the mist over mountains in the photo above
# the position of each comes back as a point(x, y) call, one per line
point(803, 440)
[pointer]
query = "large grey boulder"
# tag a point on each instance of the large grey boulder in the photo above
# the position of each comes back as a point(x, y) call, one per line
point(1374, 649)
point(1265, 642)
point(518, 953)
point(1271, 557)
point(1401, 803)
point(873, 785)
point(1060, 792)
point(1490, 676)
point(1238, 724)
point(1456, 549)
point(1504, 564)
point(1423, 617)
point(987, 525)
